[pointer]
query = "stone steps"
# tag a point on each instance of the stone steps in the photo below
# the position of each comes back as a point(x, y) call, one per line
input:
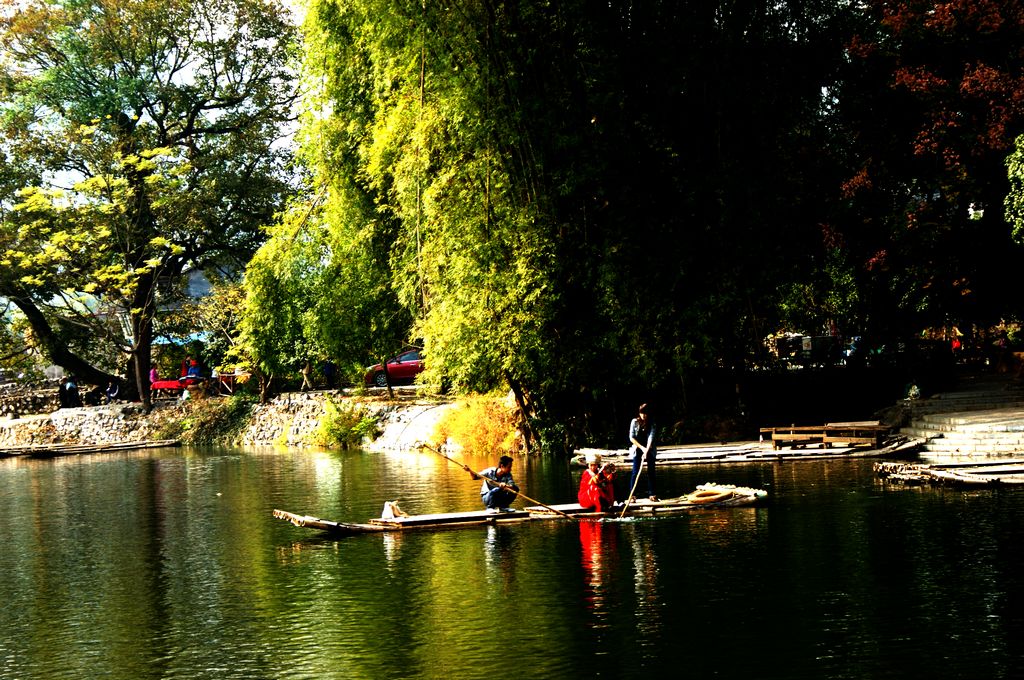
point(975, 401)
point(985, 418)
point(991, 420)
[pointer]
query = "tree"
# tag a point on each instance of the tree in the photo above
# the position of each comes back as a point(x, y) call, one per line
point(166, 119)
point(932, 104)
point(567, 200)
point(314, 293)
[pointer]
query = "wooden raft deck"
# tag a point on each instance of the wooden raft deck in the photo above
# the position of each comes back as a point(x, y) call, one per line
point(755, 452)
point(54, 450)
point(966, 474)
point(736, 497)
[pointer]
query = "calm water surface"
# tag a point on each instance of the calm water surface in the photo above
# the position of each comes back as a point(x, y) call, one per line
point(168, 564)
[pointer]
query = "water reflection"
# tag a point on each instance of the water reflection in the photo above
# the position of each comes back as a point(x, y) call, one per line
point(645, 582)
point(599, 548)
point(392, 548)
point(501, 556)
point(723, 527)
point(169, 565)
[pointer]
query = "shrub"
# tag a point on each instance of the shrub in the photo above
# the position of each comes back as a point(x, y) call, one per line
point(345, 426)
point(480, 425)
point(207, 421)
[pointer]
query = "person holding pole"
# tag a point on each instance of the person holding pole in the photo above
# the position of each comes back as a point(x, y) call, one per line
point(641, 436)
point(499, 489)
point(518, 492)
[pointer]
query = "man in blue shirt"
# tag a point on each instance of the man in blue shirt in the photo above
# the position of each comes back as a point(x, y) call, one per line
point(499, 489)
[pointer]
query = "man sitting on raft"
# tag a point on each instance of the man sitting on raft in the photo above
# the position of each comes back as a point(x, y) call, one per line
point(597, 491)
point(499, 489)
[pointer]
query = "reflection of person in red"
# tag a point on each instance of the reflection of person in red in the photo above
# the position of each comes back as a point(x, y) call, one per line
point(590, 542)
point(596, 489)
point(599, 553)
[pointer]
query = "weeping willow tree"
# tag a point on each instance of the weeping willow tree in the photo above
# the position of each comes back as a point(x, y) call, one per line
point(429, 218)
point(563, 200)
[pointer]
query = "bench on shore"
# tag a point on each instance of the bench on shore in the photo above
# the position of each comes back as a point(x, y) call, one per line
point(861, 432)
point(170, 389)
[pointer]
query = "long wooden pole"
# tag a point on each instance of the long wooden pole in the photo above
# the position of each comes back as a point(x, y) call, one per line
point(494, 482)
point(636, 482)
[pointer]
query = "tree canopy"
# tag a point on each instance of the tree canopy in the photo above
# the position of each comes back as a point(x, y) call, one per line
point(575, 199)
point(583, 204)
point(147, 140)
point(578, 200)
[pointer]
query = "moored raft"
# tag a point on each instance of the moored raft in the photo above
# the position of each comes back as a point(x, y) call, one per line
point(58, 449)
point(1008, 472)
point(706, 496)
point(752, 452)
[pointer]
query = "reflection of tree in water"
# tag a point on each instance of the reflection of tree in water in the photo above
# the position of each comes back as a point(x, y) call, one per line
point(723, 528)
point(599, 549)
point(500, 554)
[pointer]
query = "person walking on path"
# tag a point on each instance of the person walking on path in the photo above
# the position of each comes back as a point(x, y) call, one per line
point(499, 488)
point(306, 371)
point(641, 437)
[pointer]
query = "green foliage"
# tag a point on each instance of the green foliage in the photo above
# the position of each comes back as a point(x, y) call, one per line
point(345, 425)
point(809, 307)
point(592, 203)
point(217, 315)
point(540, 193)
point(207, 421)
point(162, 116)
point(1014, 203)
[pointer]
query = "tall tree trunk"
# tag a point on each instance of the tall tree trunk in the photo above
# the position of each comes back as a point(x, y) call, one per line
point(56, 349)
point(525, 416)
point(142, 338)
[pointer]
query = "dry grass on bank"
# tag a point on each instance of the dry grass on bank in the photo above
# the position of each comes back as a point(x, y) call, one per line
point(205, 420)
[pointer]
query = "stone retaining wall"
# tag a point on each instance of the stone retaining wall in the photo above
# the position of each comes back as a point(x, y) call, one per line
point(289, 419)
point(292, 419)
point(25, 403)
point(85, 425)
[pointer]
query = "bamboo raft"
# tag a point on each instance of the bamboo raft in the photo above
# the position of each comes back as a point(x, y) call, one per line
point(54, 450)
point(965, 474)
point(706, 496)
point(754, 452)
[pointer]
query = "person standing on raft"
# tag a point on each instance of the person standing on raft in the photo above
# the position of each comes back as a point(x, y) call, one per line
point(499, 489)
point(597, 491)
point(641, 436)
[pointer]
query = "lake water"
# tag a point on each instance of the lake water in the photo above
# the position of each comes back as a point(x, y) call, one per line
point(168, 564)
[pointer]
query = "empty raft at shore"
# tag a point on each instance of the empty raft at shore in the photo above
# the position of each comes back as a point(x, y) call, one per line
point(974, 473)
point(755, 452)
point(54, 450)
point(706, 496)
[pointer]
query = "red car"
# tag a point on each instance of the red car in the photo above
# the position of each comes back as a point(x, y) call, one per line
point(401, 369)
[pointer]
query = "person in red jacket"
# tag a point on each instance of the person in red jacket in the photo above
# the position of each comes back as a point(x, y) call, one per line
point(597, 492)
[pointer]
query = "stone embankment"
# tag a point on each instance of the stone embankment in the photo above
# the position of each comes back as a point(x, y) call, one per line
point(85, 425)
point(293, 418)
point(15, 402)
point(290, 419)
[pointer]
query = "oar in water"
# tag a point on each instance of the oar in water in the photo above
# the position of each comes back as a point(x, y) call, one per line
point(493, 482)
point(636, 482)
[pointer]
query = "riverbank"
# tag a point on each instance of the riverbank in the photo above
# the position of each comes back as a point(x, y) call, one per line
point(290, 419)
